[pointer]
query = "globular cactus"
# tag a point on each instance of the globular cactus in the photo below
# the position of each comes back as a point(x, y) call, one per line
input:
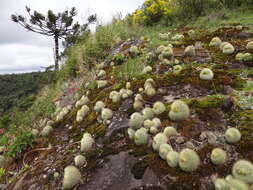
point(221, 184)
point(99, 106)
point(87, 143)
point(188, 160)
point(138, 105)
point(177, 37)
point(46, 130)
point(106, 114)
point(82, 113)
point(102, 83)
point(228, 49)
point(153, 130)
point(206, 74)
point(190, 51)
point(232, 135)
point(141, 136)
point(148, 124)
point(223, 44)
point(216, 41)
point(148, 113)
point(158, 108)
point(72, 177)
point(83, 101)
point(249, 45)
point(179, 111)
point(170, 131)
point(80, 160)
point(136, 120)
point(177, 69)
point(130, 133)
point(147, 69)
point(157, 122)
point(243, 170)
point(158, 140)
point(172, 159)
point(150, 91)
point(236, 184)
point(164, 149)
point(128, 85)
point(218, 156)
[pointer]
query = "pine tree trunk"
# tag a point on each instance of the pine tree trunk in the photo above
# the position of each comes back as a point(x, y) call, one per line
point(56, 43)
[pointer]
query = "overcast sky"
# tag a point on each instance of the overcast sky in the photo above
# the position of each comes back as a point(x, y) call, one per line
point(22, 51)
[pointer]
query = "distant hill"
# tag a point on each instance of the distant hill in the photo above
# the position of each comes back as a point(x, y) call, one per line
point(16, 88)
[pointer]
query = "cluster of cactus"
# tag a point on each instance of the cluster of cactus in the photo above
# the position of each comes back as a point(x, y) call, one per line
point(99, 106)
point(102, 83)
point(177, 37)
point(226, 47)
point(164, 36)
point(138, 102)
point(149, 87)
point(83, 101)
point(244, 57)
point(242, 177)
point(191, 33)
point(62, 113)
point(82, 113)
point(106, 115)
point(46, 130)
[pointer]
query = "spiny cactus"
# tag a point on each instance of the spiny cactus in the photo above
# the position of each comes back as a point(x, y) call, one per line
point(170, 131)
point(102, 83)
point(160, 49)
point(172, 159)
point(218, 156)
point(177, 69)
point(141, 136)
point(158, 108)
point(130, 133)
point(158, 140)
point(232, 135)
point(179, 111)
point(191, 33)
point(128, 85)
point(206, 74)
point(223, 44)
point(147, 69)
point(164, 149)
point(82, 113)
point(150, 91)
point(138, 105)
point(80, 160)
point(148, 124)
point(190, 51)
point(148, 113)
point(46, 130)
point(83, 101)
point(236, 184)
point(216, 41)
point(243, 170)
point(250, 45)
point(35, 132)
point(221, 184)
point(106, 114)
point(99, 106)
point(228, 49)
point(177, 37)
point(188, 160)
point(87, 143)
point(134, 49)
point(157, 122)
point(167, 52)
point(153, 130)
point(136, 120)
point(72, 177)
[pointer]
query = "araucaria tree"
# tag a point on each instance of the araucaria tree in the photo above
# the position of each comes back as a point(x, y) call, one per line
point(59, 26)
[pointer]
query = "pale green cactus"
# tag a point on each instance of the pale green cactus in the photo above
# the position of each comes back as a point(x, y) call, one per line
point(136, 120)
point(172, 159)
point(157, 122)
point(216, 41)
point(72, 177)
point(179, 111)
point(141, 136)
point(148, 113)
point(250, 45)
point(239, 56)
point(177, 69)
point(190, 51)
point(138, 105)
point(170, 131)
point(102, 83)
point(232, 135)
point(134, 49)
point(243, 170)
point(160, 49)
point(46, 130)
point(191, 33)
point(148, 124)
point(150, 92)
point(147, 69)
point(167, 52)
point(128, 85)
point(101, 73)
point(99, 106)
point(221, 184)
point(188, 160)
point(206, 74)
point(223, 44)
point(218, 156)
point(83, 101)
point(236, 184)
point(106, 114)
point(130, 133)
point(159, 108)
point(153, 130)
point(164, 149)
point(80, 160)
point(177, 37)
point(158, 140)
point(87, 143)
point(35, 132)
point(82, 113)
point(228, 49)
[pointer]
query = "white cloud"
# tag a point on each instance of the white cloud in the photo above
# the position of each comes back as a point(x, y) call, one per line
point(23, 51)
